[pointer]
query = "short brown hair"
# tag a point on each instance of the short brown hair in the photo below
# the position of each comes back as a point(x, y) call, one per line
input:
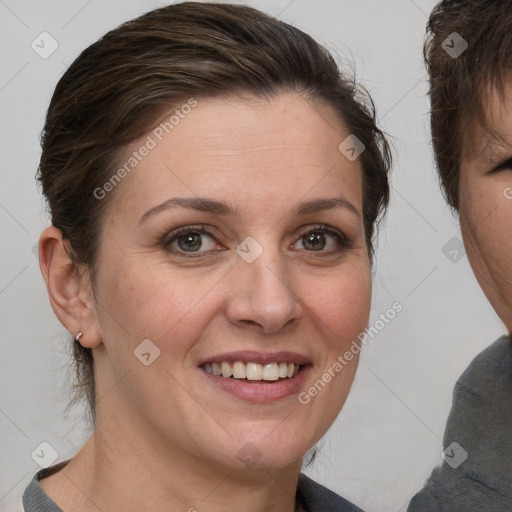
point(459, 84)
point(119, 87)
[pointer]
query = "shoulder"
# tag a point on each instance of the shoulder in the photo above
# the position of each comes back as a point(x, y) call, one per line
point(481, 413)
point(489, 371)
point(34, 498)
point(477, 439)
point(317, 498)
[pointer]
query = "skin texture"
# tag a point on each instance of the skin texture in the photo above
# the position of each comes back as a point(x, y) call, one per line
point(486, 203)
point(166, 438)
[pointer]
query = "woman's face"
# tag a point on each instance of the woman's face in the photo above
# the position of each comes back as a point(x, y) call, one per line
point(486, 204)
point(238, 242)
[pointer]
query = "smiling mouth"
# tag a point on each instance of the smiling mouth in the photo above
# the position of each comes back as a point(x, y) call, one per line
point(253, 372)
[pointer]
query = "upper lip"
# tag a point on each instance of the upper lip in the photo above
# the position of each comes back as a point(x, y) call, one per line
point(252, 356)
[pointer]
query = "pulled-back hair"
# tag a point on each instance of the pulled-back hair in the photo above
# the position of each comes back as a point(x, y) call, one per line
point(121, 86)
point(460, 84)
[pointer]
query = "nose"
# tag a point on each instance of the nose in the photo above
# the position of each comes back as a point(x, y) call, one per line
point(261, 295)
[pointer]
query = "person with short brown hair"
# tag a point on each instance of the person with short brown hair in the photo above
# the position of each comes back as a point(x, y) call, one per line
point(469, 59)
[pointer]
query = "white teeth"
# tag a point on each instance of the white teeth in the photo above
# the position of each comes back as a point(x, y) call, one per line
point(271, 371)
point(227, 371)
point(253, 371)
point(239, 370)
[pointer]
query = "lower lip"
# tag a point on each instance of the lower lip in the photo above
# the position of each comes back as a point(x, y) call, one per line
point(260, 391)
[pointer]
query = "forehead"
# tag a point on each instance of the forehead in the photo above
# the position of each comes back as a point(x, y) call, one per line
point(489, 135)
point(281, 148)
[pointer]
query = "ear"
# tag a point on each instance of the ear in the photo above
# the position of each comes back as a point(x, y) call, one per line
point(70, 293)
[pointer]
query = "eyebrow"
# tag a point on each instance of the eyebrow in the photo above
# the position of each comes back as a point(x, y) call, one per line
point(494, 150)
point(207, 205)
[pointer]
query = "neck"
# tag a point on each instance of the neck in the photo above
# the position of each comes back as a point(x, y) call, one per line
point(120, 470)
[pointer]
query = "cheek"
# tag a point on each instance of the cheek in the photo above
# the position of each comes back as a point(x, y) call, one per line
point(141, 300)
point(345, 312)
point(343, 302)
point(485, 219)
point(341, 315)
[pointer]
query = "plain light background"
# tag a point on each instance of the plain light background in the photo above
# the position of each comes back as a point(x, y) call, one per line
point(388, 436)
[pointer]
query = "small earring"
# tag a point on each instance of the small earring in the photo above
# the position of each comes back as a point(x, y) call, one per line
point(78, 336)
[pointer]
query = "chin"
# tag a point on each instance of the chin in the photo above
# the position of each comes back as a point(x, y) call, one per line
point(264, 453)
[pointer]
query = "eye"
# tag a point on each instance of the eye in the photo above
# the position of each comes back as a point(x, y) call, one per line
point(323, 239)
point(191, 240)
point(507, 164)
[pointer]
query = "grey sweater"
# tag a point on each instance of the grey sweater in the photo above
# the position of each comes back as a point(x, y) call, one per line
point(312, 496)
point(480, 421)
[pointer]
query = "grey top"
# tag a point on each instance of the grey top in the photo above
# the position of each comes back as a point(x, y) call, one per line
point(313, 497)
point(480, 421)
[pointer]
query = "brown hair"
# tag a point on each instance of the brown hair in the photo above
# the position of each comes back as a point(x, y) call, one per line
point(459, 84)
point(120, 86)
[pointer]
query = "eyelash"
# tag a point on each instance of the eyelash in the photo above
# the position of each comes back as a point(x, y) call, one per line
point(507, 164)
point(342, 240)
